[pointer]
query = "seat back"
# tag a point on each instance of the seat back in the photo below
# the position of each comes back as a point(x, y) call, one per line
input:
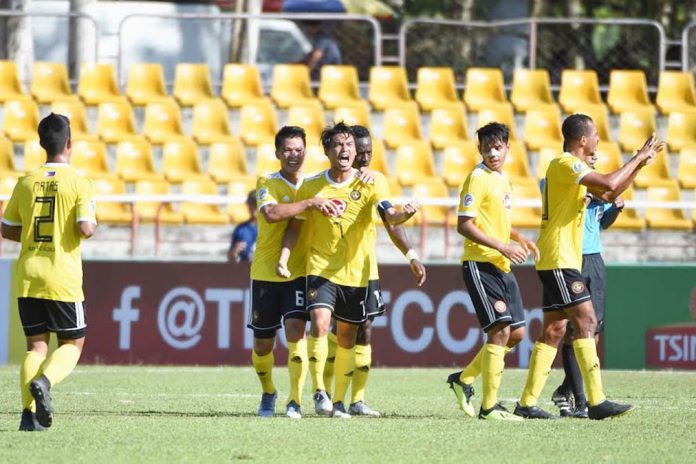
point(97, 84)
point(192, 83)
point(542, 127)
point(635, 127)
point(226, 160)
point(459, 159)
point(77, 113)
point(134, 161)
point(338, 85)
point(180, 160)
point(241, 84)
point(257, 123)
point(49, 82)
point(675, 92)
point(388, 87)
point(448, 125)
point(531, 89)
point(162, 122)
point(579, 89)
point(115, 122)
point(628, 90)
point(210, 123)
point(401, 124)
point(502, 114)
point(435, 88)
point(10, 87)
point(20, 120)
point(291, 84)
point(485, 88)
point(681, 130)
point(146, 84)
point(358, 114)
point(90, 159)
point(414, 162)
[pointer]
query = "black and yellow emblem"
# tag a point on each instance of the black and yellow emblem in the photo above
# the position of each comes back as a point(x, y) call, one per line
point(577, 287)
point(255, 316)
point(312, 294)
point(355, 195)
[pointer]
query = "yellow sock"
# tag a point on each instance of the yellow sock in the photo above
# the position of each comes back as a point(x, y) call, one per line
point(492, 365)
point(472, 370)
point(344, 366)
point(263, 365)
point(329, 366)
point(297, 366)
point(30, 370)
point(539, 369)
point(61, 363)
point(363, 362)
point(317, 350)
point(588, 361)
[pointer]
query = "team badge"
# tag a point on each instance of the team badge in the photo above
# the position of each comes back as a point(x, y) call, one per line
point(507, 200)
point(355, 195)
point(340, 206)
point(500, 306)
point(579, 166)
point(577, 287)
point(468, 200)
point(255, 316)
point(312, 294)
point(263, 193)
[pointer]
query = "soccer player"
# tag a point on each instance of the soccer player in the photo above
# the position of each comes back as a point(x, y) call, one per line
point(51, 210)
point(484, 221)
point(338, 262)
point(568, 179)
point(374, 304)
point(274, 299)
point(244, 235)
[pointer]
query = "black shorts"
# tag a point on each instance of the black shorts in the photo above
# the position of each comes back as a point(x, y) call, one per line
point(346, 303)
point(273, 302)
point(374, 305)
point(39, 316)
point(495, 294)
point(562, 288)
point(595, 274)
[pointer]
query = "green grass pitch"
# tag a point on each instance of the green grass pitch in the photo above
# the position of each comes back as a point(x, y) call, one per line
point(204, 414)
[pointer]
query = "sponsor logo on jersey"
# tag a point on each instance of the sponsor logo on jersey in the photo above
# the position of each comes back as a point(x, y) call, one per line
point(468, 200)
point(507, 200)
point(340, 206)
point(578, 166)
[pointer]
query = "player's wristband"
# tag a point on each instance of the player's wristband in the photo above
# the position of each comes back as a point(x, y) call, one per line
point(411, 255)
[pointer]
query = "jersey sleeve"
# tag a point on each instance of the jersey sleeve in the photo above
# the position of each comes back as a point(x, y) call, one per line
point(265, 194)
point(472, 195)
point(571, 170)
point(86, 206)
point(11, 215)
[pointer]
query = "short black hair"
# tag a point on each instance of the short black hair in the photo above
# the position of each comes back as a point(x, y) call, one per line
point(289, 132)
point(329, 132)
point(54, 133)
point(251, 198)
point(575, 126)
point(493, 131)
point(360, 132)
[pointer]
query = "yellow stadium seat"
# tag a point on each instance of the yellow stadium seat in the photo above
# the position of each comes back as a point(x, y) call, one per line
point(108, 211)
point(210, 123)
point(600, 117)
point(201, 213)
point(628, 91)
point(686, 172)
point(681, 130)
point(338, 86)
point(226, 161)
point(134, 161)
point(546, 154)
point(635, 127)
point(531, 90)
point(414, 163)
point(180, 161)
point(89, 158)
point(502, 114)
point(661, 218)
point(516, 165)
point(526, 217)
point(192, 83)
point(76, 112)
point(435, 89)
point(49, 83)
point(241, 84)
point(20, 120)
point(115, 122)
point(257, 123)
point(401, 124)
point(311, 118)
point(163, 122)
point(358, 114)
point(148, 210)
point(542, 127)
point(266, 161)
point(675, 92)
point(579, 90)
point(448, 126)
point(608, 158)
point(485, 88)
point(10, 87)
point(7, 185)
point(433, 214)
point(379, 157)
point(628, 219)
point(291, 85)
point(7, 161)
point(97, 84)
point(240, 187)
point(34, 156)
point(146, 84)
point(655, 174)
point(315, 160)
point(388, 87)
point(459, 159)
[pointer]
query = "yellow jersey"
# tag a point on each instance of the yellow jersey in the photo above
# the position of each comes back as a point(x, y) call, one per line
point(486, 197)
point(563, 214)
point(275, 189)
point(339, 247)
point(48, 203)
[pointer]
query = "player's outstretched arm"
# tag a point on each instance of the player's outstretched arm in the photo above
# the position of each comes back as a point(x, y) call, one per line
point(611, 213)
point(512, 251)
point(393, 216)
point(277, 212)
point(13, 233)
point(400, 239)
point(289, 240)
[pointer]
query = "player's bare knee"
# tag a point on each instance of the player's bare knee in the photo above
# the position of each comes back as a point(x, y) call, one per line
point(364, 335)
point(263, 346)
point(346, 335)
point(516, 336)
point(295, 330)
point(553, 332)
point(499, 334)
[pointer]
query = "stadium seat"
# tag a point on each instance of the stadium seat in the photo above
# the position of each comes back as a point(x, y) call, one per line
point(608, 158)
point(435, 89)
point(310, 118)
point(338, 86)
point(115, 122)
point(675, 92)
point(525, 217)
point(291, 85)
point(180, 161)
point(89, 158)
point(226, 161)
point(7, 185)
point(20, 120)
point(388, 87)
point(448, 126)
point(628, 219)
point(546, 154)
point(49, 83)
point(661, 218)
point(112, 212)
point(266, 161)
point(77, 113)
point(257, 123)
point(686, 172)
point(192, 83)
point(433, 214)
point(600, 117)
point(681, 130)
point(7, 161)
point(628, 91)
point(500, 113)
point(97, 84)
point(531, 90)
point(148, 210)
point(579, 90)
point(542, 127)
point(379, 157)
point(401, 124)
point(163, 122)
point(134, 161)
point(315, 160)
point(485, 88)
point(201, 213)
point(635, 127)
point(10, 87)
point(241, 84)
point(210, 123)
point(459, 159)
point(146, 84)
point(358, 114)
point(33, 156)
point(414, 163)
point(655, 174)
point(516, 165)
point(240, 187)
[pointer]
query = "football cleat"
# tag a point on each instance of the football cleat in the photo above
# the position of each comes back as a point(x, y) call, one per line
point(293, 410)
point(29, 423)
point(463, 392)
point(322, 403)
point(360, 408)
point(267, 406)
point(498, 413)
point(339, 411)
point(41, 391)
point(607, 409)
point(532, 412)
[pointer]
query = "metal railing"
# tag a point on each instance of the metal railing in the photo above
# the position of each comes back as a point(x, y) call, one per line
point(688, 46)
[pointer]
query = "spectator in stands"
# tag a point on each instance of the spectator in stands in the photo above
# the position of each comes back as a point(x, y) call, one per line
point(324, 49)
point(244, 235)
